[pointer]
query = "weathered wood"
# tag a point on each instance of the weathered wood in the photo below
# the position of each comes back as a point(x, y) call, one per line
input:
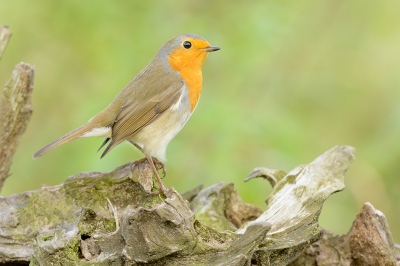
point(221, 207)
point(368, 243)
point(272, 175)
point(15, 113)
point(75, 224)
point(296, 201)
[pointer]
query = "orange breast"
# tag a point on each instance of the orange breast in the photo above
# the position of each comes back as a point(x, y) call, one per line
point(194, 83)
point(189, 67)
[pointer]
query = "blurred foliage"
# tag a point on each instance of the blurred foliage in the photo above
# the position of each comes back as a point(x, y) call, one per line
point(293, 79)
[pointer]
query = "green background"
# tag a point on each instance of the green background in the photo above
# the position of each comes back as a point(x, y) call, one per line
point(292, 79)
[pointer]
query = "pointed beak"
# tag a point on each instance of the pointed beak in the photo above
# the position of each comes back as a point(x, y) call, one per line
point(211, 48)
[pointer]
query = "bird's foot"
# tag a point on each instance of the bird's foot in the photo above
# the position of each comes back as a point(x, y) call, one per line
point(153, 161)
point(159, 164)
point(163, 190)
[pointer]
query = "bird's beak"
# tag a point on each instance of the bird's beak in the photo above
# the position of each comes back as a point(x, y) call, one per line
point(211, 48)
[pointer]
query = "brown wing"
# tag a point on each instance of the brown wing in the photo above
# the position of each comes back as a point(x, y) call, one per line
point(135, 115)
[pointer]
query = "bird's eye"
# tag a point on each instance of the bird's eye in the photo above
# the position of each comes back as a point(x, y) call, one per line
point(187, 44)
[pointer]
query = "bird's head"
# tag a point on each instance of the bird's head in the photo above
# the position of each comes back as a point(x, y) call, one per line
point(186, 51)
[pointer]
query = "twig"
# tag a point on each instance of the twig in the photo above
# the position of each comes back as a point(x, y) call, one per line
point(5, 35)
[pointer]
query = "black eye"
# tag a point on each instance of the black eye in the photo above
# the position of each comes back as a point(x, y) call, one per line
point(187, 45)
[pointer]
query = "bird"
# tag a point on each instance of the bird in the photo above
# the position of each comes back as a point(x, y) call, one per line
point(154, 106)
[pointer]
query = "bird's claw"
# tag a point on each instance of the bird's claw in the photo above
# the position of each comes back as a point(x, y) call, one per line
point(163, 190)
point(159, 164)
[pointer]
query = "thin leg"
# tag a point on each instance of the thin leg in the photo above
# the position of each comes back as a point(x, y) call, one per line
point(137, 146)
point(155, 160)
point(162, 189)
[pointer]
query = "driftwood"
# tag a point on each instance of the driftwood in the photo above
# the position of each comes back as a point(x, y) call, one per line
point(15, 108)
point(107, 219)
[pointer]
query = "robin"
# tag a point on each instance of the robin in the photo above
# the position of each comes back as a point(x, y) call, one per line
point(154, 106)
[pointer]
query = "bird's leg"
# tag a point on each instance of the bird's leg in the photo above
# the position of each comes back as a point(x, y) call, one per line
point(155, 160)
point(160, 163)
point(162, 189)
point(137, 146)
point(151, 161)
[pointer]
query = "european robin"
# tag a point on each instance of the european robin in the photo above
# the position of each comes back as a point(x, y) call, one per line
point(154, 106)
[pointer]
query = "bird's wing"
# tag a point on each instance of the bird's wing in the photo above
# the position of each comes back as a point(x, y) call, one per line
point(140, 109)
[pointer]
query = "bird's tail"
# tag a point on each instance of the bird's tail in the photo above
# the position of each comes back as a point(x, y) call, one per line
point(80, 131)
